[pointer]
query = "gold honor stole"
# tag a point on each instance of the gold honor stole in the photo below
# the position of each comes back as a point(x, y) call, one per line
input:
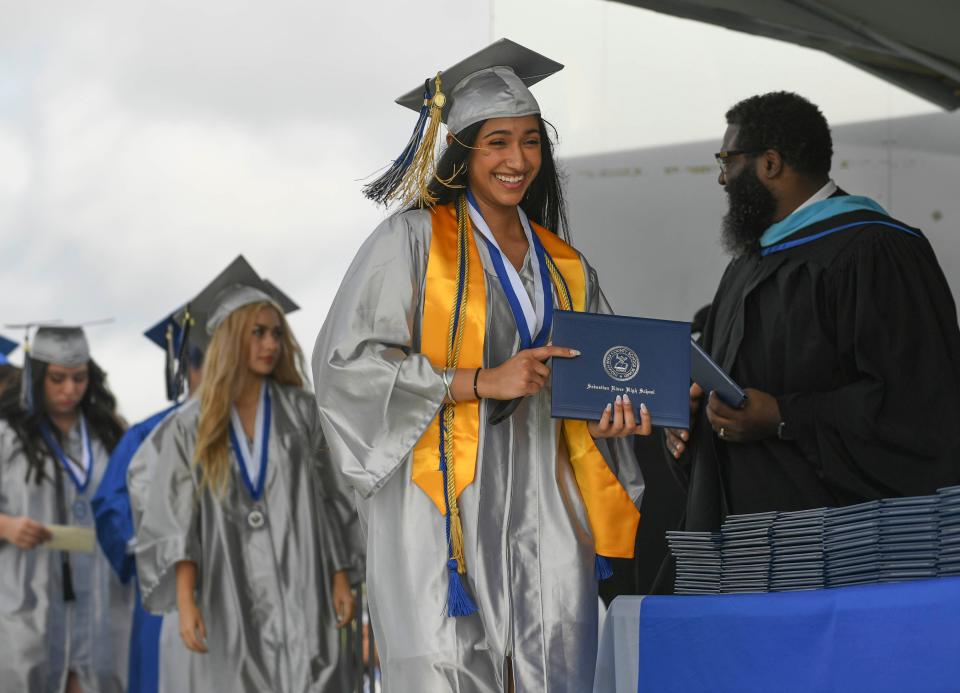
point(612, 514)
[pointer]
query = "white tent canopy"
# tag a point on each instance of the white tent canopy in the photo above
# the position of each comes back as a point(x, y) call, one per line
point(911, 44)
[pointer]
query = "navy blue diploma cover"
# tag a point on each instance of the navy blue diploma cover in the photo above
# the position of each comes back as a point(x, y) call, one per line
point(648, 360)
point(712, 378)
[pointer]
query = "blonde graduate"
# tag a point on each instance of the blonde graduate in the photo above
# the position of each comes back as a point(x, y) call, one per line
point(254, 343)
point(261, 567)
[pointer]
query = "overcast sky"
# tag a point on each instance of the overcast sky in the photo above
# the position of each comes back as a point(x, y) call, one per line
point(145, 144)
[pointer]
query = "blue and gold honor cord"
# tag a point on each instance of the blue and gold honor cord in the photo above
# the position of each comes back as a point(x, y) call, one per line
point(458, 600)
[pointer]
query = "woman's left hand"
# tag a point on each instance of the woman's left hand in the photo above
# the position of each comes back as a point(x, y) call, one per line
point(618, 421)
point(344, 604)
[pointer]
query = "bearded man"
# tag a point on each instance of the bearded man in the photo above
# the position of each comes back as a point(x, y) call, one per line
point(838, 322)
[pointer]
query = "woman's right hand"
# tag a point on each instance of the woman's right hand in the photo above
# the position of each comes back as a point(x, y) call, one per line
point(193, 632)
point(23, 532)
point(525, 373)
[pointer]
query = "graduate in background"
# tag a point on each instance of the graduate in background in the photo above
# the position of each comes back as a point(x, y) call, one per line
point(242, 507)
point(482, 538)
point(64, 615)
point(112, 502)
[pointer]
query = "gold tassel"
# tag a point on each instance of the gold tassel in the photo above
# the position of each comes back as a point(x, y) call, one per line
point(456, 529)
point(414, 185)
point(456, 541)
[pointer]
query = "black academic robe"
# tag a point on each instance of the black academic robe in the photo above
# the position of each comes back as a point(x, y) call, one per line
point(855, 332)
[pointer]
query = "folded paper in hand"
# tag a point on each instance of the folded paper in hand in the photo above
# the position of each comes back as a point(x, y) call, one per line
point(68, 538)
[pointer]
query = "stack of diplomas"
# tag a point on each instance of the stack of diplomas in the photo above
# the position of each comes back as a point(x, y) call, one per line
point(698, 561)
point(746, 553)
point(882, 541)
point(948, 558)
point(889, 540)
point(646, 360)
point(909, 538)
point(797, 555)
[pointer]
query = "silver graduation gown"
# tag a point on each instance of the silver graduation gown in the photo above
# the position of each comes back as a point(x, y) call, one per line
point(178, 669)
point(42, 637)
point(264, 592)
point(528, 545)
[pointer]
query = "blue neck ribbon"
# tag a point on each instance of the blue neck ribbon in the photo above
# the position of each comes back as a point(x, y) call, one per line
point(817, 212)
point(239, 453)
point(51, 441)
point(496, 255)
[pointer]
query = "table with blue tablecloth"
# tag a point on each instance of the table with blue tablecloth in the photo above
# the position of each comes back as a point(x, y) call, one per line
point(888, 637)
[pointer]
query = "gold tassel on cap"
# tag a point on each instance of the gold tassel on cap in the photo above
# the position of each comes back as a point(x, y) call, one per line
point(408, 178)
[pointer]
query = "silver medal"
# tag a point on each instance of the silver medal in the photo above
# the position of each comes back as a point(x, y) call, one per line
point(79, 510)
point(256, 519)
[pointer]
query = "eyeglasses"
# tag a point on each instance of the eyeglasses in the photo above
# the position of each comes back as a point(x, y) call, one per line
point(722, 157)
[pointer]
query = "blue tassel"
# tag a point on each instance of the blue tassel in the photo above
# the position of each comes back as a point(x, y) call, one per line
point(386, 185)
point(459, 602)
point(602, 567)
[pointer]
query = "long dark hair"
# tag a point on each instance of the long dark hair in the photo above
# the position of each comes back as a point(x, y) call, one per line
point(98, 406)
point(543, 203)
point(8, 374)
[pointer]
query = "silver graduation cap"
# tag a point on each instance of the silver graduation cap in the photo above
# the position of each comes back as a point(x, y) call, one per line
point(190, 327)
point(63, 345)
point(492, 83)
point(236, 286)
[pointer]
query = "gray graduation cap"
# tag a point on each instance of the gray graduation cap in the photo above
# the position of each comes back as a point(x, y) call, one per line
point(492, 83)
point(236, 286)
point(63, 345)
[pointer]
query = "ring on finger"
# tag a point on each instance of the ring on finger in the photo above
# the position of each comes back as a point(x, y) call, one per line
point(722, 433)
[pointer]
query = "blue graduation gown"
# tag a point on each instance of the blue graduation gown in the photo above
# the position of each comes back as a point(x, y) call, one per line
point(111, 509)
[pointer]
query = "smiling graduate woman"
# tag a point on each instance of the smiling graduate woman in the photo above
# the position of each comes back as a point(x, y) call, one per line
point(484, 540)
point(241, 531)
point(64, 616)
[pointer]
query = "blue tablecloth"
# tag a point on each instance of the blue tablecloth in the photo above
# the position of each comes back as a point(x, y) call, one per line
point(894, 637)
